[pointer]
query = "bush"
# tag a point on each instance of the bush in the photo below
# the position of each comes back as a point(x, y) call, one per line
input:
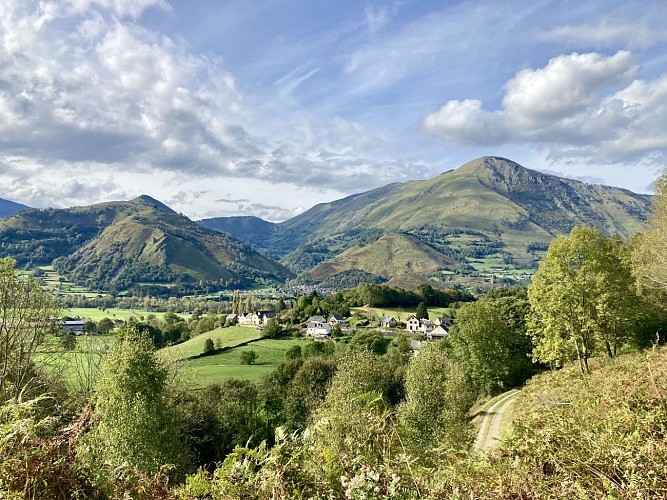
point(248, 357)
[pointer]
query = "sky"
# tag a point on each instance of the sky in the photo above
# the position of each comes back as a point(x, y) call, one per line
point(268, 107)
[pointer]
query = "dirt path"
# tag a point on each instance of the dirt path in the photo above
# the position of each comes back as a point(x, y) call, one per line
point(492, 420)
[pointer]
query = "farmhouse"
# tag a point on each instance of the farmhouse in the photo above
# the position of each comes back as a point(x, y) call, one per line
point(419, 326)
point(318, 329)
point(388, 322)
point(259, 318)
point(412, 324)
point(335, 319)
point(73, 326)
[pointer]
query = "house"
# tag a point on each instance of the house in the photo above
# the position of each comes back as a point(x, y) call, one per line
point(263, 317)
point(446, 323)
point(335, 319)
point(245, 319)
point(231, 319)
point(419, 326)
point(412, 324)
point(437, 333)
point(387, 322)
point(318, 329)
point(259, 318)
point(426, 326)
point(316, 319)
point(74, 327)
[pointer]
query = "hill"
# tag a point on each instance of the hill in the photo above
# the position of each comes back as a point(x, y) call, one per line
point(489, 213)
point(123, 244)
point(8, 208)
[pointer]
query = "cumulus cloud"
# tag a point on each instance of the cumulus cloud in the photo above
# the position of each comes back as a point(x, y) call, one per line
point(586, 105)
point(84, 86)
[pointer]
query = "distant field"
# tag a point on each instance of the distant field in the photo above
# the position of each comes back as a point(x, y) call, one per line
point(402, 312)
point(74, 365)
point(124, 314)
point(227, 337)
point(216, 368)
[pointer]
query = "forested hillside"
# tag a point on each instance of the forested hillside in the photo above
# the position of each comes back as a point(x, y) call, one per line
point(117, 245)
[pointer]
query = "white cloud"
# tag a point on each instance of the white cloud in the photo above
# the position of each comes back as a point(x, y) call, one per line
point(85, 88)
point(585, 105)
point(606, 33)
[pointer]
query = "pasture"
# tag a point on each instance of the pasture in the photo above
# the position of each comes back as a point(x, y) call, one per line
point(227, 364)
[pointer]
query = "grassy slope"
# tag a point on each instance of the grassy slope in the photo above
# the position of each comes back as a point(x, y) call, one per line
point(396, 256)
point(270, 353)
point(603, 434)
point(228, 337)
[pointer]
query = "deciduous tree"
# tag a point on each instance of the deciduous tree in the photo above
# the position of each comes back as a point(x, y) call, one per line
point(26, 317)
point(136, 427)
point(582, 293)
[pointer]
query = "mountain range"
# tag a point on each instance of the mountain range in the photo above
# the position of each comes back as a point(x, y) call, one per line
point(141, 241)
point(489, 212)
point(488, 216)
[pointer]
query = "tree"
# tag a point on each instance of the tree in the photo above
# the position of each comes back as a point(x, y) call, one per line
point(490, 343)
point(105, 326)
point(209, 346)
point(435, 412)
point(136, 427)
point(236, 302)
point(248, 357)
point(582, 293)
point(272, 329)
point(422, 312)
point(247, 305)
point(68, 342)
point(26, 313)
point(293, 352)
point(649, 248)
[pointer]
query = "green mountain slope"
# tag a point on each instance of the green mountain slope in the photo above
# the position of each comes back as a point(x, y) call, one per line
point(489, 210)
point(120, 244)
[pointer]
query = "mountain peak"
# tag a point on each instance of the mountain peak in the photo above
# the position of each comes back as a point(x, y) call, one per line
point(494, 163)
point(144, 199)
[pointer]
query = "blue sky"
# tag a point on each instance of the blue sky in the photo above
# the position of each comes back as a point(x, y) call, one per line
point(267, 107)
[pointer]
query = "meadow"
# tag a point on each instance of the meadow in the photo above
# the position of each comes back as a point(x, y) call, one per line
point(227, 364)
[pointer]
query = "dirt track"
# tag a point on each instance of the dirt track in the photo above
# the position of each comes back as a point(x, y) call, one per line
point(491, 421)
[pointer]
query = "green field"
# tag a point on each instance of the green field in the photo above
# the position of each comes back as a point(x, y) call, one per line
point(401, 313)
point(74, 366)
point(123, 314)
point(227, 364)
point(227, 337)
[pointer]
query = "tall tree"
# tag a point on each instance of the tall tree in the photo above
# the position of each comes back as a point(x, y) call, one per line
point(247, 305)
point(582, 293)
point(489, 346)
point(422, 312)
point(26, 316)
point(136, 426)
point(435, 412)
point(649, 255)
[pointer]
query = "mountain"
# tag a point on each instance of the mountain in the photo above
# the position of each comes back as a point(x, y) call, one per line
point(121, 244)
point(490, 212)
point(8, 208)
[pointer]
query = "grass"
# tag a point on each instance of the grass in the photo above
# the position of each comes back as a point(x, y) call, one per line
point(403, 312)
point(227, 364)
point(226, 337)
point(123, 314)
point(73, 366)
